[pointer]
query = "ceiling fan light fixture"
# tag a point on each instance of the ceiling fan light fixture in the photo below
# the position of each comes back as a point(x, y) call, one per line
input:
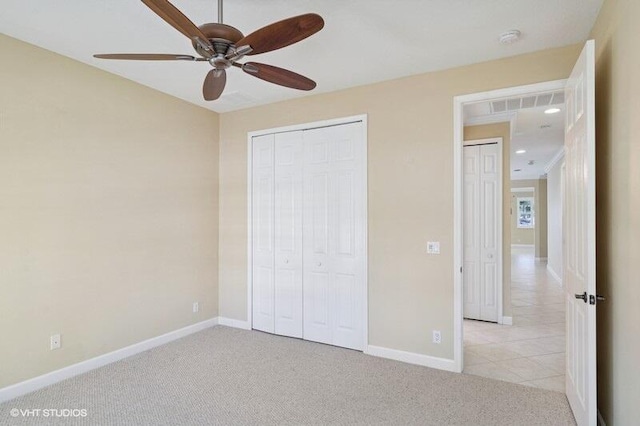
point(510, 36)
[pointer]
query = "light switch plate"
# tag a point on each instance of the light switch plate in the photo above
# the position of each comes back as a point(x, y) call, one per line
point(433, 247)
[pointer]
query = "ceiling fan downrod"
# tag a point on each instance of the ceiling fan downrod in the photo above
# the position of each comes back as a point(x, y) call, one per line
point(220, 12)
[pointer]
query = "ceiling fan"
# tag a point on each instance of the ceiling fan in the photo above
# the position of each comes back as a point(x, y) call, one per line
point(223, 46)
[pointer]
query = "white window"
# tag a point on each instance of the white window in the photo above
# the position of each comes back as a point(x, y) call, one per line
point(526, 215)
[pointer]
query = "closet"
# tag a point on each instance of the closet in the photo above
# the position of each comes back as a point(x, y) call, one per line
point(308, 234)
point(482, 232)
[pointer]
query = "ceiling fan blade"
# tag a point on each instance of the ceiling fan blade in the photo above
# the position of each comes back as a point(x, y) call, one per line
point(282, 33)
point(148, 57)
point(177, 20)
point(278, 76)
point(214, 84)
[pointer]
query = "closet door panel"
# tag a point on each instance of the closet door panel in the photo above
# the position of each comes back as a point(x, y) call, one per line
point(347, 232)
point(334, 235)
point(288, 234)
point(263, 254)
point(318, 291)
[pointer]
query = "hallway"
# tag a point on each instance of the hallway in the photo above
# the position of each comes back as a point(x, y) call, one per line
point(532, 350)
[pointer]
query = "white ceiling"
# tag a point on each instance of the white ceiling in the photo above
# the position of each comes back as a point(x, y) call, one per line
point(540, 135)
point(363, 41)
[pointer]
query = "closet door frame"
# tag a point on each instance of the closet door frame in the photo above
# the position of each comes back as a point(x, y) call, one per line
point(365, 270)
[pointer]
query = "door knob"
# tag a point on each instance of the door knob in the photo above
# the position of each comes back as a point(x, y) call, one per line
point(582, 296)
point(319, 263)
point(286, 261)
point(490, 256)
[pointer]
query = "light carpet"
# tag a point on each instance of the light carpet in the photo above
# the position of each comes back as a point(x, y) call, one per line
point(235, 377)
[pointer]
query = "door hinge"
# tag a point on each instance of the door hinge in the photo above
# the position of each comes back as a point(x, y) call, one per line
point(461, 269)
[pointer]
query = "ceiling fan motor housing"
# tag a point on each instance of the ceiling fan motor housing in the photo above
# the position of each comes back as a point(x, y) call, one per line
point(222, 37)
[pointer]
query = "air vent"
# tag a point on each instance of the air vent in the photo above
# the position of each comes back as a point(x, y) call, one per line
point(529, 102)
point(498, 106)
point(533, 101)
point(558, 98)
point(544, 100)
point(514, 104)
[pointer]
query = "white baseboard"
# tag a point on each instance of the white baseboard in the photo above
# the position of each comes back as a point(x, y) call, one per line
point(505, 320)
point(554, 274)
point(56, 376)
point(523, 245)
point(234, 323)
point(601, 419)
point(411, 358)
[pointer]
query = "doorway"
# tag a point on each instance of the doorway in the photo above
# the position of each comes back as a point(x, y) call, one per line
point(505, 98)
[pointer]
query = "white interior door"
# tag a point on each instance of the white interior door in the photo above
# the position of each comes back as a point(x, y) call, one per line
point(579, 228)
point(263, 255)
point(471, 235)
point(334, 235)
point(288, 234)
point(482, 231)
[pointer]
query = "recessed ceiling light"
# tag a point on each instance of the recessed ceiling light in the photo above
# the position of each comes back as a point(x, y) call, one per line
point(552, 111)
point(510, 36)
point(521, 151)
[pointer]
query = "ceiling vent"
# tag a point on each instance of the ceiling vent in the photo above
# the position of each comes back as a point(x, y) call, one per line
point(524, 102)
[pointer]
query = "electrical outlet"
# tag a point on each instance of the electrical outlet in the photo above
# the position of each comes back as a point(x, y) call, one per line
point(196, 307)
point(437, 337)
point(55, 341)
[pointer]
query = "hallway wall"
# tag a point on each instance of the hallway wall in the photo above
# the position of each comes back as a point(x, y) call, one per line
point(554, 220)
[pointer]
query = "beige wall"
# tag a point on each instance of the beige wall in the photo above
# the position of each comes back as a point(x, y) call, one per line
point(109, 211)
point(501, 130)
point(618, 203)
point(554, 219)
point(410, 168)
point(540, 205)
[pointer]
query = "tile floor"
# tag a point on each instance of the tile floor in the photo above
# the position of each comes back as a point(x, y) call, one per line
point(532, 350)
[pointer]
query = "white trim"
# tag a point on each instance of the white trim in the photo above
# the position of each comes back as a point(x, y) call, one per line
point(458, 127)
point(601, 421)
point(541, 259)
point(307, 126)
point(412, 358)
point(229, 322)
point(524, 189)
point(558, 157)
point(505, 320)
point(501, 117)
point(64, 373)
point(554, 274)
point(523, 245)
